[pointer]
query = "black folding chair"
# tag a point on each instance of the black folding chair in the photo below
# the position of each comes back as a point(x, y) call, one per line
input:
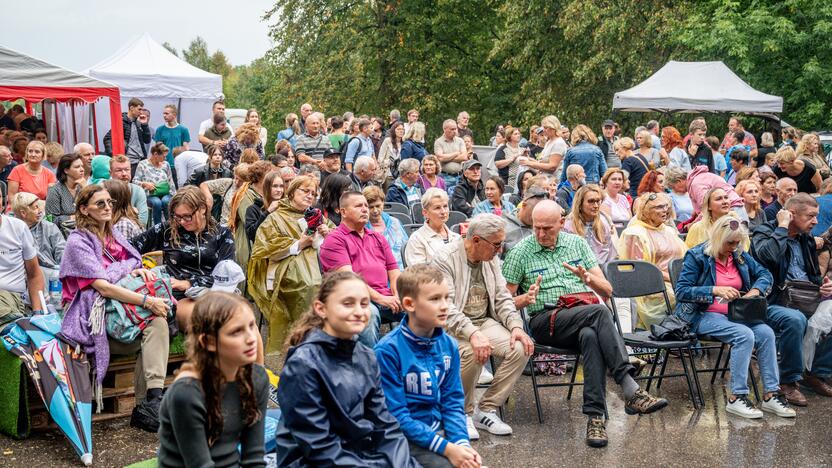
point(632, 279)
point(456, 229)
point(416, 213)
point(574, 356)
point(403, 217)
point(411, 228)
point(456, 217)
point(393, 207)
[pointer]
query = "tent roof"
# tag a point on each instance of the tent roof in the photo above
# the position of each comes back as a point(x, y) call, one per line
point(144, 68)
point(21, 70)
point(696, 87)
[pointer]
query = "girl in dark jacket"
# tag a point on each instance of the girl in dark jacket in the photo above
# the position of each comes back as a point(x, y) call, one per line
point(214, 169)
point(334, 412)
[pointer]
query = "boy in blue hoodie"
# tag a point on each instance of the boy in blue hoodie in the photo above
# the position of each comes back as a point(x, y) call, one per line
point(420, 374)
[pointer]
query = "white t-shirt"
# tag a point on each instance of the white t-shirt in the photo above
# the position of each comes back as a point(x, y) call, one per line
point(186, 163)
point(16, 246)
point(556, 146)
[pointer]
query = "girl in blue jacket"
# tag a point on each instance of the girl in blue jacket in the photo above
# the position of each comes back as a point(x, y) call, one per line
point(334, 413)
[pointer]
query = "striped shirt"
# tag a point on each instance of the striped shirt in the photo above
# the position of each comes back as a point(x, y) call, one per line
point(528, 259)
point(312, 146)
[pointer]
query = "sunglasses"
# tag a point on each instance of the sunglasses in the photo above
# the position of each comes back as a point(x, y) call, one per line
point(101, 204)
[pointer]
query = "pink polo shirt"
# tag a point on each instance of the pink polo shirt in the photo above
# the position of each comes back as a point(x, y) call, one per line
point(726, 275)
point(369, 255)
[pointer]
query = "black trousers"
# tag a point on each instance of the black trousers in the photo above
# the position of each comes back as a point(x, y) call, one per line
point(590, 329)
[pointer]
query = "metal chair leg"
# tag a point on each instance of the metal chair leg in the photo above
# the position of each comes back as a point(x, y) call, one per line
point(696, 378)
point(691, 390)
point(727, 364)
point(574, 374)
point(754, 382)
point(536, 392)
point(718, 360)
point(662, 371)
point(652, 369)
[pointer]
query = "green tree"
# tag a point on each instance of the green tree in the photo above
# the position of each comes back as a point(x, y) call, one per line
point(170, 48)
point(197, 54)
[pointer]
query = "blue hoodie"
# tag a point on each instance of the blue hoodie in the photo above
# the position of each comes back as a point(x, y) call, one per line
point(421, 381)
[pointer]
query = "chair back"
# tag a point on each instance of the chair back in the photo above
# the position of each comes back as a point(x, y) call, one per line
point(634, 278)
point(675, 270)
point(393, 207)
point(416, 213)
point(456, 217)
point(619, 228)
point(404, 218)
point(411, 228)
point(456, 228)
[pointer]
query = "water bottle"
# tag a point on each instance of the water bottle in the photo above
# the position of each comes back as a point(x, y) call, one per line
point(55, 293)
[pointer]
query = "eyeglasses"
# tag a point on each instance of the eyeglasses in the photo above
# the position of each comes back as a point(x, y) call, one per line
point(593, 201)
point(497, 247)
point(185, 218)
point(101, 204)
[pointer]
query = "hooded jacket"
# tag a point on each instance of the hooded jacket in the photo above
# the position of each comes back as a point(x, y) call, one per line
point(700, 181)
point(769, 245)
point(334, 412)
point(463, 196)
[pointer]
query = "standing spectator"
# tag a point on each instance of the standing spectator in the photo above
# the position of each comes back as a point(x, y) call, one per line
point(187, 163)
point(673, 149)
point(676, 179)
point(359, 145)
point(60, 201)
point(804, 173)
point(292, 130)
point(483, 318)
point(551, 158)
point(766, 148)
point(749, 190)
point(615, 204)
point(785, 188)
point(245, 196)
point(377, 134)
point(48, 238)
point(575, 179)
point(305, 112)
point(634, 165)
point(120, 170)
point(585, 153)
point(605, 143)
point(414, 142)
point(507, 156)
point(809, 150)
point(311, 145)
point(494, 203)
point(462, 125)
point(470, 191)
point(720, 163)
point(406, 189)
point(337, 137)
point(173, 135)
point(786, 248)
point(155, 177)
point(450, 149)
point(698, 150)
point(136, 134)
point(412, 117)
point(353, 247)
point(789, 137)
point(735, 125)
point(653, 128)
point(216, 136)
point(7, 163)
point(389, 155)
point(391, 228)
point(218, 107)
point(31, 177)
point(738, 160)
point(429, 239)
point(644, 141)
point(253, 117)
point(246, 137)
point(431, 174)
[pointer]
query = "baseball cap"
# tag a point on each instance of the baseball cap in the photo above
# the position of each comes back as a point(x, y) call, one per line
point(609, 123)
point(227, 275)
point(331, 152)
point(470, 163)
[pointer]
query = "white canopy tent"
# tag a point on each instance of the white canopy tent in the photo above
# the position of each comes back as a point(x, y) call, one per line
point(146, 70)
point(696, 87)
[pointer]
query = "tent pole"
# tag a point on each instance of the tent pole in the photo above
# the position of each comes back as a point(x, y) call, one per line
point(74, 124)
point(57, 120)
point(116, 126)
point(94, 129)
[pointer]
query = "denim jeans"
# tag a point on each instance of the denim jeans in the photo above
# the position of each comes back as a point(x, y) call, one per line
point(370, 334)
point(450, 182)
point(158, 206)
point(743, 339)
point(791, 325)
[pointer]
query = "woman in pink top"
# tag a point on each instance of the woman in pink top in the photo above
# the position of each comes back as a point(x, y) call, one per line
point(430, 173)
point(31, 177)
point(615, 205)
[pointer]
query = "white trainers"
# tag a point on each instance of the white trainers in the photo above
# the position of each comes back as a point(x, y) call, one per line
point(492, 423)
point(486, 377)
point(743, 408)
point(473, 434)
point(777, 404)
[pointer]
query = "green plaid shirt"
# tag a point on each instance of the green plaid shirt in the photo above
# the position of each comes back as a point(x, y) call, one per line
point(528, 259)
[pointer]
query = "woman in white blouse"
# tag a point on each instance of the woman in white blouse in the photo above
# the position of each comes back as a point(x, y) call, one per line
point(430, 238)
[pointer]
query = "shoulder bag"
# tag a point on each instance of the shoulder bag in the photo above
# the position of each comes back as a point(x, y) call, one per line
point(801, 295)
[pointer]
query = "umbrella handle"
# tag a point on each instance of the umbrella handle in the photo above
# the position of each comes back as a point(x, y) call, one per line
point(43, 302)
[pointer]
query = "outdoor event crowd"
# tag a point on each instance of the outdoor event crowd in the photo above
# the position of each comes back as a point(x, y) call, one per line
point(342, 224)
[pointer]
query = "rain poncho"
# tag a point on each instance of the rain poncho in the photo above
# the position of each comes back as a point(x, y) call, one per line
point(819, 327)
point(296, 277)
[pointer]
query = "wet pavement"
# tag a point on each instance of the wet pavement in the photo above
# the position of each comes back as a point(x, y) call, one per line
point(675, 436)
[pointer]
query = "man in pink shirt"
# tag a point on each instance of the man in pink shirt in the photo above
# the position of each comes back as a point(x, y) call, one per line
point(351, 247)
point(700, 181)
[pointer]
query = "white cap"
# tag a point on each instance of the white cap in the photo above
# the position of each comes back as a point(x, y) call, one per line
point(227, 275)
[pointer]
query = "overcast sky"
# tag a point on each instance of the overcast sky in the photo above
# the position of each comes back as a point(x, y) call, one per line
point(79, 33)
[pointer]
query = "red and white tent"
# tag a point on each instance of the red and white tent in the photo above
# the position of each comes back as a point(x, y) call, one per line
point(35, 81)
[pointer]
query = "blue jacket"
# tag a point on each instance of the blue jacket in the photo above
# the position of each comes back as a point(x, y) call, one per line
point(694, 289)
point(289, 135)
point(421, 381)
point(333, 407)
point(412, 149)
point(590, 157)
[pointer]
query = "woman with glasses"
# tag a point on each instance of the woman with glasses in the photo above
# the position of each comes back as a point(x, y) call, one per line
point(649, 238)
point(284, 273)
point(714, 274)
point(155, 177)
point(192, 243)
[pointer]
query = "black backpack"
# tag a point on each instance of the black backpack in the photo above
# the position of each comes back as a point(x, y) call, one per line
point(343, 150)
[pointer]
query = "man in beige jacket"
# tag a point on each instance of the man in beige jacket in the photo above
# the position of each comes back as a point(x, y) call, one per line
point(482, 317)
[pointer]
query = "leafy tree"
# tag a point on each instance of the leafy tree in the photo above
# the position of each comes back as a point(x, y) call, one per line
point(170, 48)
point(197, 54)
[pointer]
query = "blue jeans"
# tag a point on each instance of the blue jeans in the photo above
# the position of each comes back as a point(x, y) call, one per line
point(742, 339)
point(791, 324)
point(159, 206)
point(450, 182)
point(370, 334)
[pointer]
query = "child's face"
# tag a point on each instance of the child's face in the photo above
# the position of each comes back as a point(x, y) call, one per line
point(346, 311)
point(238, 339)
point(430, 307)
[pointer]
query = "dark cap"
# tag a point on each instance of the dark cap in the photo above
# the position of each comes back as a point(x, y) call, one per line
point(609, 123)
point(535, 192)
point(470, 163)
point(331, 152)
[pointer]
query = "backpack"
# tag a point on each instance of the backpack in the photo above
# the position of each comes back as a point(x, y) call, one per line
point(343, 150)
point(124, 322)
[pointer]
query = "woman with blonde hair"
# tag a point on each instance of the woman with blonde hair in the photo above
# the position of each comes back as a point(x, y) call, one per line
point(244, 198)
point(809, 150)
point(644, 140)
point(633, 164)
point(615, 204)
point(803, 172)
point(54, 151)
point(247, 136)
point(715, 205)
point(585, 152)
point(283, 272)
point(292, 130)
point(389, 227)
point(31, 176)
point(551, 158)
point(765, 148)
point(414, 142)
point(649, 238)
point(253, 117)
point(749, 190)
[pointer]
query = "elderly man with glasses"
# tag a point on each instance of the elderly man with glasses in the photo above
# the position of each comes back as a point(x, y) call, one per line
point(482, 317)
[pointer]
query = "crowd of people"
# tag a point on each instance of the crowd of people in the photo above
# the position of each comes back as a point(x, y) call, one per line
point(314, 238)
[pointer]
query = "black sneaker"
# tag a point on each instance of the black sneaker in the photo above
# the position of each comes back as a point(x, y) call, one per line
point(596, 432)
point(146, 415)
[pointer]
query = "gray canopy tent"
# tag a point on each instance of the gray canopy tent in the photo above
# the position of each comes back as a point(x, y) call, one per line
point(697, 87)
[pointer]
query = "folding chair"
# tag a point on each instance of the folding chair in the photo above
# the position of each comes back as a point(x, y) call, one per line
point(411, 228)
point(456, 217)
point(632, 279)
point(416, 213)
point(393, 207)
point(403, 217)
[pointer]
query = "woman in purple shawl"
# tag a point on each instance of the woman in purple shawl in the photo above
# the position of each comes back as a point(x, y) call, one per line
point(95, 259)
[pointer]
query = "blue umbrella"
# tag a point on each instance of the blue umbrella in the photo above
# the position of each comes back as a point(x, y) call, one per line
point(61, 374)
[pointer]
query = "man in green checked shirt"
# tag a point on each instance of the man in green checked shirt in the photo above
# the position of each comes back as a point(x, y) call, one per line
point(562, 263)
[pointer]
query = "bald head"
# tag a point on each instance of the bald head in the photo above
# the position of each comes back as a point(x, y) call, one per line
point(786, 188)
point(547, 221)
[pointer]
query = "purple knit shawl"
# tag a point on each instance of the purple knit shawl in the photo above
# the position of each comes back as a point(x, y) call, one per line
point(83, 258)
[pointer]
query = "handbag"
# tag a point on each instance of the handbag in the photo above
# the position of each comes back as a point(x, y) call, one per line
point(162, 189)
point(801, 295)
point(748, 310)
point(568, 301)
point(124, 322)
point(672, 328)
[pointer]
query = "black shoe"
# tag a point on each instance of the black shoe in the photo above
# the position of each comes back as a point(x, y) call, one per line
point(596, 432)
point(146, 415)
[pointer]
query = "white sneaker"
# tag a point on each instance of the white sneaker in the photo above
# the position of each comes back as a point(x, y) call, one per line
point(473, 434)
point(778, 405)
point(486, 377)
point(743, 408)
point(492, 423)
